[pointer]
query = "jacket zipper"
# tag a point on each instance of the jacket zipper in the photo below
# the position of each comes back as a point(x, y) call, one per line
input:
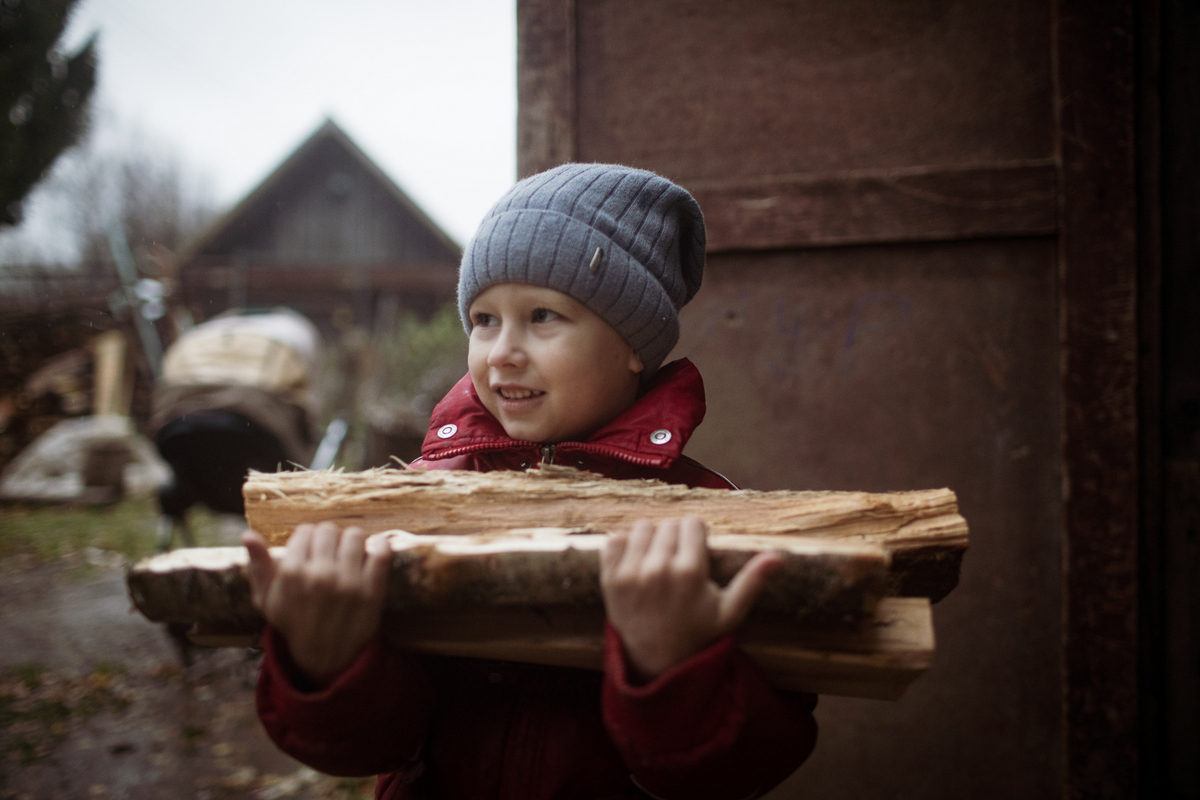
point(466, 450)
point(549, 453)
point(639, 461)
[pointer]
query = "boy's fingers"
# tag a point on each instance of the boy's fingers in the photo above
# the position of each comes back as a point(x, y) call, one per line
point(325, 539)
point(662, 546)
point(378, 565)
point(351, 554)
point(692, 552)
point(261, 569)
point(738, 597)
point(298, 545)
point(611, 553)
point(639, 542)
point(379, 543)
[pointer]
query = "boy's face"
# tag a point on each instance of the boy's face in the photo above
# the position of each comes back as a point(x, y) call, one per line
point(546, 366)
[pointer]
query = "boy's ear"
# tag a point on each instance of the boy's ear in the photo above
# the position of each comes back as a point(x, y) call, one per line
point(635, 362)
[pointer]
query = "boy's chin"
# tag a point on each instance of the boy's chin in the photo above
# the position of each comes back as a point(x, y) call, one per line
point(524, 432)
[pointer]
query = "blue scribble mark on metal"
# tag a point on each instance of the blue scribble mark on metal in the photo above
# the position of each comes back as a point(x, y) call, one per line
point(789, 330)
point(868, 298)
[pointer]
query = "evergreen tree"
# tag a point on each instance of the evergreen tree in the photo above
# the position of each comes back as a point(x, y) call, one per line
point(44, 95)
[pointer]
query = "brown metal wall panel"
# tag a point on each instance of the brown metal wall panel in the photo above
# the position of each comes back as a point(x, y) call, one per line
point(1175, 648)
point(1154, 696)
point(545, 84)
point(898, 205)
point(1098, 262)
point(895, 205)
point(702, 90)
point(968, 364)
point(882, 368)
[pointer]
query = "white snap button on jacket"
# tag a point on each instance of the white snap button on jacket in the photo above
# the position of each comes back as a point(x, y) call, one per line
point(446, 431)
point(660, 436)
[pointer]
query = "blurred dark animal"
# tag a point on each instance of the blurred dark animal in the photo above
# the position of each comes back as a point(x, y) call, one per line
point(210, 453)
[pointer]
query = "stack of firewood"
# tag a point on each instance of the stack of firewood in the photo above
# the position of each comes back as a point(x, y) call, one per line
point(505, 565)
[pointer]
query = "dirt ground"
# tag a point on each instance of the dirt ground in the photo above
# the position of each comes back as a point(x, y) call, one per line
point(95, 701)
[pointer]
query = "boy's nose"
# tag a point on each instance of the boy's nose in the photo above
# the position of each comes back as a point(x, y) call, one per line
point(507, 350)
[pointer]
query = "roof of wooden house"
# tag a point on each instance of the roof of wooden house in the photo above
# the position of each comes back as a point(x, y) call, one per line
point(328, 206)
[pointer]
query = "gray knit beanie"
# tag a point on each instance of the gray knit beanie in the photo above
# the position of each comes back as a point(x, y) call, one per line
point(624, 242)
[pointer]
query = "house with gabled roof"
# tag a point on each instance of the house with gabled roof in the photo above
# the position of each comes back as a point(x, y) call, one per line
point(327, 233)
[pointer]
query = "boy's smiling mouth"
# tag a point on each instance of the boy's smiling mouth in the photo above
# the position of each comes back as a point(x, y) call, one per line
point(517, 393)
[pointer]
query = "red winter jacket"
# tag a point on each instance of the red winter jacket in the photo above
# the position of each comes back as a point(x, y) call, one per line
point(435, 727)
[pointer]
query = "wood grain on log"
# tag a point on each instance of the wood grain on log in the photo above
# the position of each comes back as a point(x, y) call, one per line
point(922, 530)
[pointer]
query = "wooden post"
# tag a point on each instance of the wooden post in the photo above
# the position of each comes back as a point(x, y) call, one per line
point(109, 384)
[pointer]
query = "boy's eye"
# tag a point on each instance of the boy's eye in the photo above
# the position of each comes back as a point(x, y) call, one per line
point(483, 320)
point(543, 315)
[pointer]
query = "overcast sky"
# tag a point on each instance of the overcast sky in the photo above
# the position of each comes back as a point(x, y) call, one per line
point(427, 89)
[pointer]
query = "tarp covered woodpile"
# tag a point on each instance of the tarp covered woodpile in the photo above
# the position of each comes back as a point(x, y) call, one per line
point(260, 366)
point(505, 565)
point(58, 466)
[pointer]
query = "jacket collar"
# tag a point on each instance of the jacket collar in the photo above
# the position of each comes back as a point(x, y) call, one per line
point(651, 432)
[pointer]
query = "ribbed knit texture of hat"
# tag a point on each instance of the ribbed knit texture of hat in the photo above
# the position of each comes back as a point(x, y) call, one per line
point(624, 242)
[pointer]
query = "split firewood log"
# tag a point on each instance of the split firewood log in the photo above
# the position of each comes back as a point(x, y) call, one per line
point(533, 597)
point(876, 659)
point(921, 530)
point(817, 582)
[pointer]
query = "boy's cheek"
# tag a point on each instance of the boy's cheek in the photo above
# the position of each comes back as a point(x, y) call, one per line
point(476, 350)
point(478, 368)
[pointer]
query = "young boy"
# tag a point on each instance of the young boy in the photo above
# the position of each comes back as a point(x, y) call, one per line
point(570, 292)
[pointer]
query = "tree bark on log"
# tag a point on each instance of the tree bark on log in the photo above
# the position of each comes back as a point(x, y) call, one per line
point(512, 598)
point(921, 530)
point(817, 582)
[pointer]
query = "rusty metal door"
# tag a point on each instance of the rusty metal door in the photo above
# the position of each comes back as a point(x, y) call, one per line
point(921, 274)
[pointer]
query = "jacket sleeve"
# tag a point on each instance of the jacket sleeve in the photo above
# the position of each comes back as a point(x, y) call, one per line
point(710, 727)
point(372, 719)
